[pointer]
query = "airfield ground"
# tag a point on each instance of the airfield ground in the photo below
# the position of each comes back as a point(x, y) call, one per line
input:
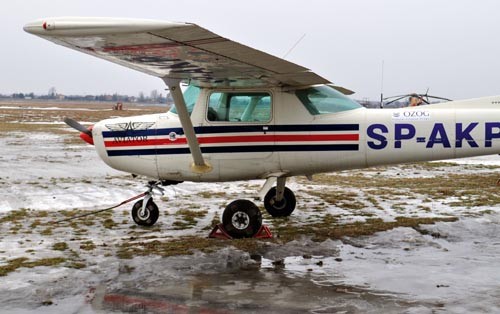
point(418, 238)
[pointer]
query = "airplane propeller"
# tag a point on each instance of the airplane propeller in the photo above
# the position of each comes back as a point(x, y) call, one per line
point(77, 126)
point(85, 133)
point(424, 97)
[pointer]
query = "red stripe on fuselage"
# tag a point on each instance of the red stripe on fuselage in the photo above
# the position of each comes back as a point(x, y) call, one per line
point(238, 139)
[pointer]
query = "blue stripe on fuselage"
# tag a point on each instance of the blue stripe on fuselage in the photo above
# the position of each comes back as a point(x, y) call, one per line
point(236, 149)
point(236, 129)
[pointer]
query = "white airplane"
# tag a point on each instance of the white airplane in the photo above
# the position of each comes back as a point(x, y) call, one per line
point(249, 115)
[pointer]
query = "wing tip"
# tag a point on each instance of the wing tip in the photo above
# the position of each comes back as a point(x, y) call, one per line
point(67, 26)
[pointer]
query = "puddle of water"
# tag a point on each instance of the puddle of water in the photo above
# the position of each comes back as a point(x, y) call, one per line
point(250, 291)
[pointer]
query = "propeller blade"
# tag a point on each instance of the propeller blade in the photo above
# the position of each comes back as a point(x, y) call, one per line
point(77, 126)
point(394, 100)
point(402, 96)
point(442, 98)
point(421, 97)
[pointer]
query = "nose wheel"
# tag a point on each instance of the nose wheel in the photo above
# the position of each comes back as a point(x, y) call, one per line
point(145, 212)
point(146, 217)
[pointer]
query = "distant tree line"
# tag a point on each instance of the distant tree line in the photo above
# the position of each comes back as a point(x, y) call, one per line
point(153, 97)
point(19, 96)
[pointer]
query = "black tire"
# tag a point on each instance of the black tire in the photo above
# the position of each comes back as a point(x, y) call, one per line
point(241, 219)
point(284, 208)
point(150, 216)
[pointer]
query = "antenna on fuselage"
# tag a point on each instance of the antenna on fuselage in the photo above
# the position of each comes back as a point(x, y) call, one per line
point(382, 87)
point(294, 45)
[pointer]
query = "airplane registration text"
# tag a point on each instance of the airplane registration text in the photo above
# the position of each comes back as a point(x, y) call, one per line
point(439, 135)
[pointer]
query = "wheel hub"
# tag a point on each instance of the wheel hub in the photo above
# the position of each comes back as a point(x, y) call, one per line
point(278, 205)
point(240, 220)
point(143, 214)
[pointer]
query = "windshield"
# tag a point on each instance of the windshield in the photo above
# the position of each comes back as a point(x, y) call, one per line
point(190, 97)
point(325, 99)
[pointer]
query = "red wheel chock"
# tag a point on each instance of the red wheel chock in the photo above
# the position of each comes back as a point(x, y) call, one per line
point(219, 233)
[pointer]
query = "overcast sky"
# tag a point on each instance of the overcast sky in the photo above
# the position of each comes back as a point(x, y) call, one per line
point(449, 46)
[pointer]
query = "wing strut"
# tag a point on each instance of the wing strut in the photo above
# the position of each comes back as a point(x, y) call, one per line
point(199, 165)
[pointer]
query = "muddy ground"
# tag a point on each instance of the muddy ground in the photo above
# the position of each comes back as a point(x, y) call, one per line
point(417, 238)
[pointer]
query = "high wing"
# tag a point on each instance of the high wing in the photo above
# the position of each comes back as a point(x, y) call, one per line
point(178, 51)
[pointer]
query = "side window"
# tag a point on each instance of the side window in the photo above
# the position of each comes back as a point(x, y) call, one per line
point(239, 107)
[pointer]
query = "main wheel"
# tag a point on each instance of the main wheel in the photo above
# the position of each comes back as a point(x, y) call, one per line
point(283, 208)
point(242, 219)
point(150, 215)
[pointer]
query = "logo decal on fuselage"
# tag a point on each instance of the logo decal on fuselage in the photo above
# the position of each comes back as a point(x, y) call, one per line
point(126, 132)
point(172, 136)
point(411, 115)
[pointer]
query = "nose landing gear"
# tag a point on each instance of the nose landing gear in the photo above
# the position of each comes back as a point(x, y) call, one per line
point(145, 215)
point(145, 212)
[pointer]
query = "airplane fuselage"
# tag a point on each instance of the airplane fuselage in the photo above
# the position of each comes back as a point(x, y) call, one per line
point(295, 142)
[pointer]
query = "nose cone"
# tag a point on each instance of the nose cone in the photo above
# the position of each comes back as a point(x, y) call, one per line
point(86, 137)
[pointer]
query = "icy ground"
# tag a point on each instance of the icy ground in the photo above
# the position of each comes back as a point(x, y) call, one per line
point(444, 267)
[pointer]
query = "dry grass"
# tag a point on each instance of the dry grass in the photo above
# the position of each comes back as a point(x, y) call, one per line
point(468, 190)
point(21, 120)
point(212, 194)
point(109, 223)
point(16, 263)
point(15, 216)
point(87, 245)
point(285, 231)
point(188, 218)
point(327, 228)
point(60, 246)
point(341, 199)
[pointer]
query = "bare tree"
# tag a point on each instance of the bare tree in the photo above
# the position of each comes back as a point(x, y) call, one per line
point(52, 92)
point(154, 95)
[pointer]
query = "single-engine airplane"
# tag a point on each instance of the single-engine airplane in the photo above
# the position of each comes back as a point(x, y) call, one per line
point(249, 115)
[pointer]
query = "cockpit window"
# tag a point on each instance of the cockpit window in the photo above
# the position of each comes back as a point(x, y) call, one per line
point(324, 99)
point(190, 97)
point(239, 107)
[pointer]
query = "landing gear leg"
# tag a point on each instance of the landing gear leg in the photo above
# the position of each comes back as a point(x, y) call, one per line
point(145, 212)
point(280, 200)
